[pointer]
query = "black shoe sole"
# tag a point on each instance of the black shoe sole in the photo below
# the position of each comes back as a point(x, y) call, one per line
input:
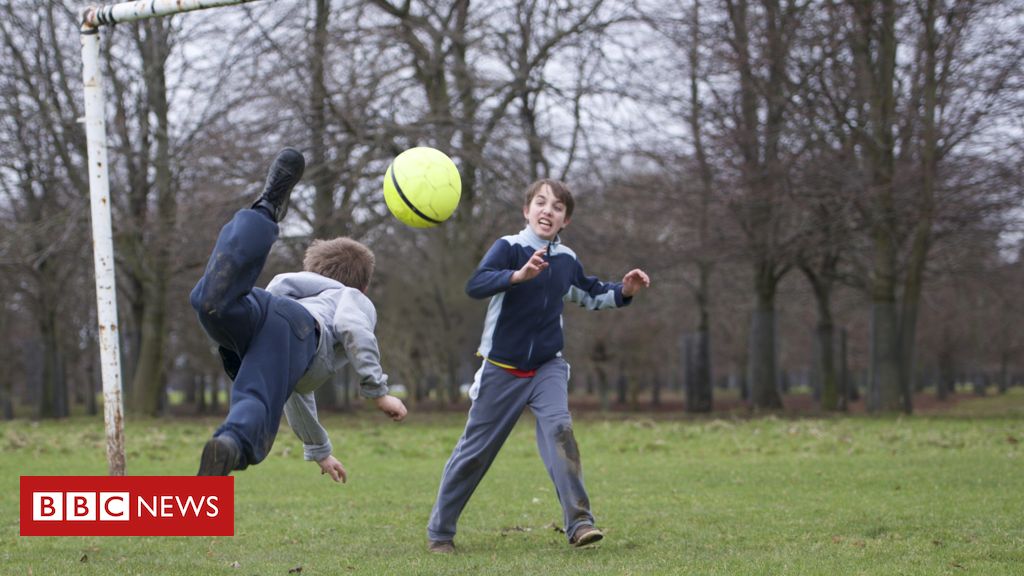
point(218, 459)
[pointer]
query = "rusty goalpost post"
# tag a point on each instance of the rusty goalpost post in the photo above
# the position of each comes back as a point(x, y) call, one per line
point(93, 18)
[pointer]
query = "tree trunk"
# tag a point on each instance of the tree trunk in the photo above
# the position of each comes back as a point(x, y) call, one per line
point(454, 394)
point(762, 371)
point(602, 388)
point(656, 389)
point(622, 386)
point(701, 384)
point(1004, 372)
point(884, 384)
point(149, 381)
point(874, 50)
point(698, 370)
point(94, 384)
point(7, 403)
point(53, 399)
point(947, 369)
point(346, 389)
point(845, 394)
point(199, 381)
point(825, 378)
point(215, 395)
point(326, 396)
point(922, 233)
point(825, 366)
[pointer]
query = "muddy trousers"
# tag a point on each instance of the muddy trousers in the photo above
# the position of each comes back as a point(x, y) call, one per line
point(499, 400)
point(266, 342)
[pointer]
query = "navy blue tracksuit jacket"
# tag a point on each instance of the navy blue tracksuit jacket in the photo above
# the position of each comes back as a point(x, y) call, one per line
point(523, 328)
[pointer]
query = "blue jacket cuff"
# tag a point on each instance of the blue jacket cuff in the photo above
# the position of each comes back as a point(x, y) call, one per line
point(621, 300)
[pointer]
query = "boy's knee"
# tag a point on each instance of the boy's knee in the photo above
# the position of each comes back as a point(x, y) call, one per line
point(557, 423)
point(203, 302)
point(195, 298)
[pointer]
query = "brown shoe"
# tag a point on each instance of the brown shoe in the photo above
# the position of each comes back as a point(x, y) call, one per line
point(441, 546)
point(586, 535)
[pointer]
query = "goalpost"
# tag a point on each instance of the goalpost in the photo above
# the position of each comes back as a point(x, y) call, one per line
point(99, 194)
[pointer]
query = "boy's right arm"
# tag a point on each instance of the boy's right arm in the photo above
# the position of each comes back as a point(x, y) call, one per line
point(300, 409)
point(494, 273)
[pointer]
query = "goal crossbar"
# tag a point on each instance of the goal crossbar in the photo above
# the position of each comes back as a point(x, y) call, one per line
point(96, 16)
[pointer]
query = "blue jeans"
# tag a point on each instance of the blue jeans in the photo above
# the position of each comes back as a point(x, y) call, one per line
point(267, 342)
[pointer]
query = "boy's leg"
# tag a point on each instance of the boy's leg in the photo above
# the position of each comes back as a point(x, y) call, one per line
point(499, 402)
point(242, 319)
point(278, 356)
point(223, 297)
point(556, 442)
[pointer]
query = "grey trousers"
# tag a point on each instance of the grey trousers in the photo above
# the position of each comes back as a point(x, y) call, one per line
point(499, 400)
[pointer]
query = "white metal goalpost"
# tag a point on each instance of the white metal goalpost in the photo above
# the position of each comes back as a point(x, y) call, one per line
point(93, 18)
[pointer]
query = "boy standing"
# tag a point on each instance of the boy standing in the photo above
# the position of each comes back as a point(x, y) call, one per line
point(280, 344)
point(527, 276)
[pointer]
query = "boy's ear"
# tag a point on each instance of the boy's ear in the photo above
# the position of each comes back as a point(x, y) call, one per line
point(526, 211)
point(566, 223)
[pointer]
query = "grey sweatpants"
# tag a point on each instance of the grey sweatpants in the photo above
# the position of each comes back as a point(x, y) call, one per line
point(499, 400)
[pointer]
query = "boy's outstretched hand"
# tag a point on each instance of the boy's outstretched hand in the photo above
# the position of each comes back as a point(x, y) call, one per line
point(393, 407)
point(333, 468)
point(534, 266)
point(634, 280)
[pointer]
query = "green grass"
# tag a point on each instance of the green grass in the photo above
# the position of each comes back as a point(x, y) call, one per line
point(835, 496)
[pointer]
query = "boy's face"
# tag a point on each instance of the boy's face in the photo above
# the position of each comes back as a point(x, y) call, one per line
point(545, 214)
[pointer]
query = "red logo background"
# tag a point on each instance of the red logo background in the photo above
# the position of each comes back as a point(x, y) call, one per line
point(165, 509)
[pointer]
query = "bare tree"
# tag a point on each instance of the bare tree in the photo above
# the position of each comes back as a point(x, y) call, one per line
point(761, 48)
point(957, 81)
point(43, 187)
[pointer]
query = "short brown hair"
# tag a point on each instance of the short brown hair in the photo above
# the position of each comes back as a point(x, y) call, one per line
point(342, 259)
point(558, 188)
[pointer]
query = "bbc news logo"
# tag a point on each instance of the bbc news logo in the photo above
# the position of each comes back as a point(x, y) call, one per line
point(127, 506)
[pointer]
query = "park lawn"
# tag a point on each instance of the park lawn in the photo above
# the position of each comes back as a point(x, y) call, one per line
point(922, 495)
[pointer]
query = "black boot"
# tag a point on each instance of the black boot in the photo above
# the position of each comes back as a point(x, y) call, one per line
point(284, 174)
point(220, 457)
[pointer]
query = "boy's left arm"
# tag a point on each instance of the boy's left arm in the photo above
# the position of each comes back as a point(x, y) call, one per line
point(354, 322)
point(634, 281)
point(589, 292)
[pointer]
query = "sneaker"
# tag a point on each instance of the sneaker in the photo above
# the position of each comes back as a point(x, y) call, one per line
point(220, 457)
point(586, 535)
point(441, 546)
point(284, 174)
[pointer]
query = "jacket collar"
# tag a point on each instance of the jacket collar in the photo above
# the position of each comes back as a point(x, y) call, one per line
point(536, 242)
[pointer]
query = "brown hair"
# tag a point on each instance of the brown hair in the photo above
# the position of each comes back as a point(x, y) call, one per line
point(558, 188)
point(342, 259)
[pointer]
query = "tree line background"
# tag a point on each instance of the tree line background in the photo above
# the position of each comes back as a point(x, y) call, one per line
point(827, 194)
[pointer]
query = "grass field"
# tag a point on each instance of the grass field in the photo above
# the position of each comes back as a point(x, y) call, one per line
point(921, 495)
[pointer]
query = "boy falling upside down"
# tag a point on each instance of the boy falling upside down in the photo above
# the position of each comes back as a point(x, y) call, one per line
point(280, 344)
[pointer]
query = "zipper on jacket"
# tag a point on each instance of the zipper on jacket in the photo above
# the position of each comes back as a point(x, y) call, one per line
point(544, 308)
